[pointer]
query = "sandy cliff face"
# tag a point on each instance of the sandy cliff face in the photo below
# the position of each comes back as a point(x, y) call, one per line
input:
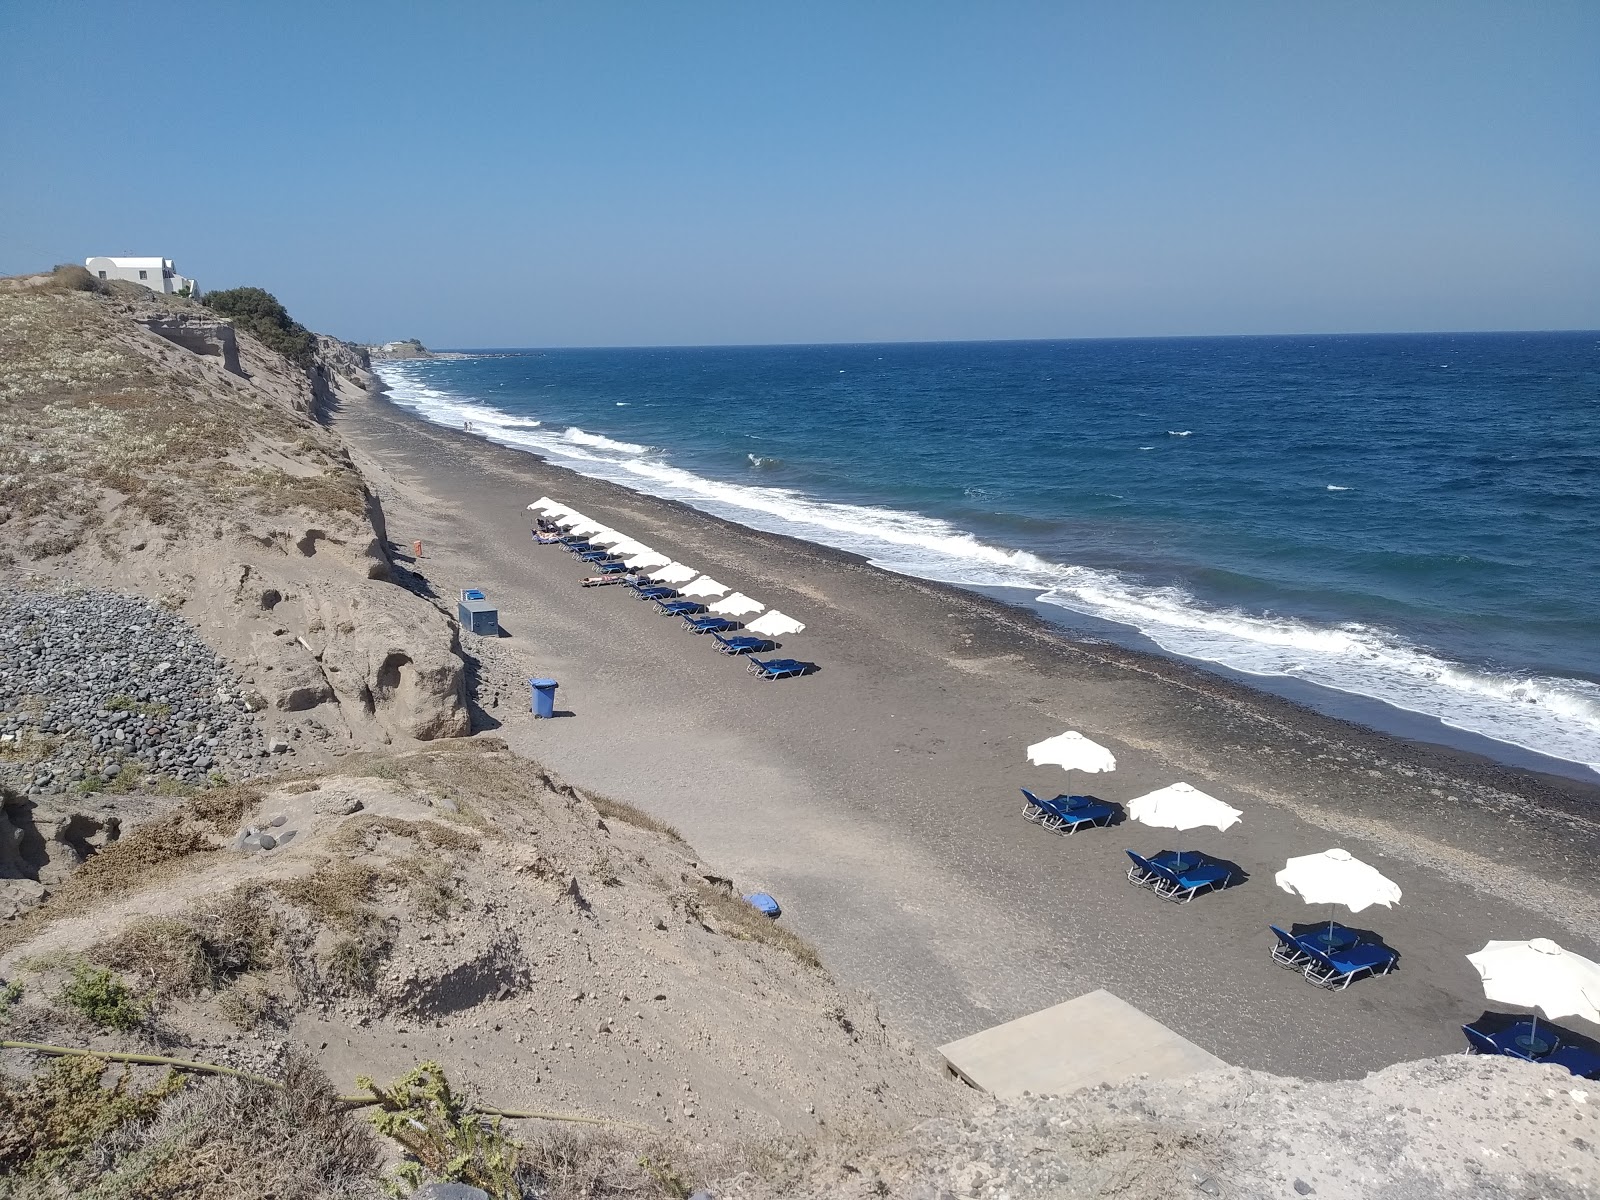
point(149, 447)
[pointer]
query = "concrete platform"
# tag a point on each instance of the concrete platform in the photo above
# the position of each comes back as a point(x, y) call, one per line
point(1097, 1038)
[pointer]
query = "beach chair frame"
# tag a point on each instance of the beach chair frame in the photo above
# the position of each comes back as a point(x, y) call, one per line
point(1324, 971)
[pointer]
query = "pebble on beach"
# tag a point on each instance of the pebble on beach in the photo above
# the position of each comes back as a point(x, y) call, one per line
point(98, 687)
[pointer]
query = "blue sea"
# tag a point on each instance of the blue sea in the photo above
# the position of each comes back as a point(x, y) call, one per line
point(1401, 528)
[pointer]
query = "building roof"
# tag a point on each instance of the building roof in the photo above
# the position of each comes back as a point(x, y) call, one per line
point(144, 263)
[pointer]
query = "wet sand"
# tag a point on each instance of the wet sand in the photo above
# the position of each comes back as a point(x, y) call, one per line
point(878, 799)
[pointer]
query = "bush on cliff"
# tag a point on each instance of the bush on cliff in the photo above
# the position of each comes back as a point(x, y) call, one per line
point(258, 312)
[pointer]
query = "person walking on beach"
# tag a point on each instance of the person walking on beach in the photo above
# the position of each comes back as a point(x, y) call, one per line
point(416, 549)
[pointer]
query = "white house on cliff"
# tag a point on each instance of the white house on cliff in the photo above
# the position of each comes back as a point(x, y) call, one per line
point(157, 274)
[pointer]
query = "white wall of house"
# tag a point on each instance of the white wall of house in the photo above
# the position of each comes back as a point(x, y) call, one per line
point(157, 274)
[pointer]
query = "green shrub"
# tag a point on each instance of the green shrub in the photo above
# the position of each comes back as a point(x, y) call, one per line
point(443, 1141)
point(103, 998)
point(52, 1118)
point(258, 312)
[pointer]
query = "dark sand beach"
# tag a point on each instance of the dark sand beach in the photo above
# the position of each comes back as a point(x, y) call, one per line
point(878, 799)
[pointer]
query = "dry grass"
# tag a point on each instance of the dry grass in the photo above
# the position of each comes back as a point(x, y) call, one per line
point(201, 951)
point(730, 915)
point(149, 855)
point(362, 834)
point(212, 1139)
point(618, 810)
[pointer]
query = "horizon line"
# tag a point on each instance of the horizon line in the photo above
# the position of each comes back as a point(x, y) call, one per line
point(1156, 337)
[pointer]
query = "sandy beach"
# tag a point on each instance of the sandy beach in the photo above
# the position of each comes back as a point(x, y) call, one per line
point(878, 799)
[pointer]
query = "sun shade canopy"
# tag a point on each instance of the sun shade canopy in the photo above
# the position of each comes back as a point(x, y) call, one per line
point(774, 624)
point(1071, 751)
point(674, 573)
point(704, 586)
point(1540, 974)
point(736, 605)
point(1180, 806)
point(1337, 877)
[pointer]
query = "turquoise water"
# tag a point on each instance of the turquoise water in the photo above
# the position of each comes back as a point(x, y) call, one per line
point(1412, 520)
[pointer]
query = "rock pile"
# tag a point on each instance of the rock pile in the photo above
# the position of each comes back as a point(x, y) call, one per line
point(98, 688)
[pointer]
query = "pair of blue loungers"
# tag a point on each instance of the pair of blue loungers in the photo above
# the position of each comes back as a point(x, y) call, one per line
point(1175, 876)
point(1330, 956)
point(1066, 814)
point(1534, 1044)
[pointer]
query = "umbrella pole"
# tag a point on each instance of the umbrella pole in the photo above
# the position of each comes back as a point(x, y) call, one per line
point(1534, 1037)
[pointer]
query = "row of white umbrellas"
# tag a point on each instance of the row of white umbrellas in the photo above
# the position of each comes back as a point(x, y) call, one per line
point(1536, 974)
point(661, 568)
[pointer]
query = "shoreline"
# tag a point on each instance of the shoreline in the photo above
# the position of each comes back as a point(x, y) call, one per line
point(1577, 792)
point(1369, 700)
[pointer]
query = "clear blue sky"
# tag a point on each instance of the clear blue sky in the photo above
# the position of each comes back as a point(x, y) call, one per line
point(590, 173)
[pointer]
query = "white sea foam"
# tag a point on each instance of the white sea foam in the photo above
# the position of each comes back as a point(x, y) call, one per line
point(1334, 487)
point(1550, 715)
point(1180, 433)
point(585, 438)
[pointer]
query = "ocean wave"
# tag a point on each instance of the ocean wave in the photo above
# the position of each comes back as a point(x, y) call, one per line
point(758, 461)
point(1548, 715)
point(1180, 433)
point(584, 438)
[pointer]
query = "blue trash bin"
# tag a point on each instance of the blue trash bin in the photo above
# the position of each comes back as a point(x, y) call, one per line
point(544, 697)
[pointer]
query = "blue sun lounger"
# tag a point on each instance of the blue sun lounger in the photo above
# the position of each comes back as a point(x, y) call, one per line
point(709, 624)
point(645, 591)
point(1178, 877)
point(745, 644)
point(1288, 953)
point(779, 668)
point(1585, 1064)
point(1035, 809)
point(679, 608)
point(1515, 1041)
point(1334, 969)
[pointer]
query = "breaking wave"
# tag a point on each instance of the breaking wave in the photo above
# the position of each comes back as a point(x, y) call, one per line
point(1554, 716)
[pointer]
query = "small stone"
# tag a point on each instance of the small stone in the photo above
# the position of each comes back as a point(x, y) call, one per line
point(1304, 1188)
point(277, 820)
point(1209, 1187)
point(268, 842)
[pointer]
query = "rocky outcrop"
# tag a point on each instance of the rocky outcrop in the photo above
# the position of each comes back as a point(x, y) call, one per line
point(241, 511)
point(411, 348)
point(198, 334)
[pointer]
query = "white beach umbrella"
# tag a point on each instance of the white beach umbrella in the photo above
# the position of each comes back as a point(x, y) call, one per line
point(1542, 975)
point(1072, 751)
point(586, 527)
point(607, 536)
point(674, 573)
point(570, 518)
point(1337, 877)
point(736, 605)
point(704, 586)
point(774, 624)
point(1180, 806)
point(627, 547)
point(545, 505)
point(651, 558)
